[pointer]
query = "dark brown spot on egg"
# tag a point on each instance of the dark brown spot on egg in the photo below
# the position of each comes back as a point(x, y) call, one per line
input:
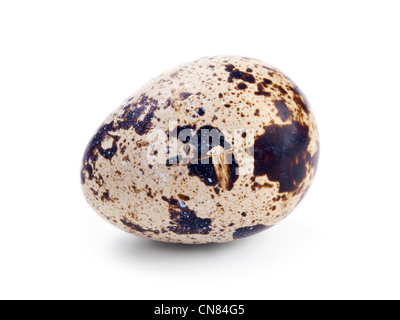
point(149, 192)
point(94, 148)
point(281, 154)
point(138, 228)
point(167, 103)
point(185, 95)
point(132, 113)
point(202, 164)
point(133, 226)
point(242, 86)
point(229, 67)
point(105, 196)
point(283, 111)
point(239, 75)
point(95, 143)
point(201, 112)
point(261, 90)
point(267, 81)
point(248, 231)
point(281, 90)
point(110, 152)
point(183, 197)
point(256, 185)
point(185, 220)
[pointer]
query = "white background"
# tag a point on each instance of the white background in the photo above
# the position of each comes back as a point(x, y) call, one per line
point(65, 65)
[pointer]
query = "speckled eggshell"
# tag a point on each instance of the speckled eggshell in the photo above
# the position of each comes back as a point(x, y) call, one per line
point(194, 203)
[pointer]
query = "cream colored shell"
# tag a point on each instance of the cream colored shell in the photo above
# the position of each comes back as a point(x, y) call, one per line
point(126, 180)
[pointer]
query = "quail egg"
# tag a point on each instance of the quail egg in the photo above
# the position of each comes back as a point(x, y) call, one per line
point(215, 150)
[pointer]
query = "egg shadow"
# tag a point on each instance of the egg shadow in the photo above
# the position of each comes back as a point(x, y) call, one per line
point(134, 244)
point(155, 254)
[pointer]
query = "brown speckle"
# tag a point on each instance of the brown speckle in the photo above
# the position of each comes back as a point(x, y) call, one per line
point(242, 86)
point(183, 197)
point(283, 111)
point(201, 112)
point(105, 197)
